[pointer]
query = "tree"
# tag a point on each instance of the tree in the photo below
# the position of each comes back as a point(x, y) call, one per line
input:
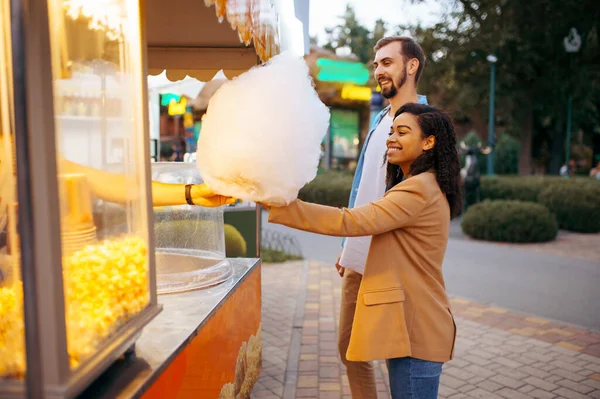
point(533, 75)
point(351, 34)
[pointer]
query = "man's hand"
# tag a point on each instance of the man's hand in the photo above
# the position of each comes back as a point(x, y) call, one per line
point(340, 269)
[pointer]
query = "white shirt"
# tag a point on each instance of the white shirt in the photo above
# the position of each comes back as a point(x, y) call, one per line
point(371, 188)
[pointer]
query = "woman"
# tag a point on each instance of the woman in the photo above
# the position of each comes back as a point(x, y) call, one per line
point(403, 313)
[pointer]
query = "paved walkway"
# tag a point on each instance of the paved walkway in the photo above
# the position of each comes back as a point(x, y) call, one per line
point(499, 354)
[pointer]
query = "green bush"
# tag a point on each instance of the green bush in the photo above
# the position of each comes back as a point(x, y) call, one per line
point(510, 221)
point(576, 207)
point(506, 156)
point(527, 188)
point(235, 244)
point(329, 188)
point(268, 255)
point(511, 188)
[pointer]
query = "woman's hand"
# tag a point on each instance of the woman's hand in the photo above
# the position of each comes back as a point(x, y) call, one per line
point(203, 195)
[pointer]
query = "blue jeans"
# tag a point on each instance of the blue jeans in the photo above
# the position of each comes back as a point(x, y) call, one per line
point(412, 378)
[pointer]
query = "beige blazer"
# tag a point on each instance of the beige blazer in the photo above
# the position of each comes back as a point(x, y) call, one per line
point(402, 307)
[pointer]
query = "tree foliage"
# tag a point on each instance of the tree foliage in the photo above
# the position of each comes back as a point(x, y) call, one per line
point(534, 72)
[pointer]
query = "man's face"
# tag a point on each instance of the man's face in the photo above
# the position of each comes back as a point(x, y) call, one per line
point(390, 69)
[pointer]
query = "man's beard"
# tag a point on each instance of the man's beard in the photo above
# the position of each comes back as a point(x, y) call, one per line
point(393, 90)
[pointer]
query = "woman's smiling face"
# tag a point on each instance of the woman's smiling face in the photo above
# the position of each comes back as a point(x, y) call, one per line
point(405, 142)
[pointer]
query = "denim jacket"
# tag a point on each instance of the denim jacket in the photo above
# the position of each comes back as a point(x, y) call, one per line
point(361, 159)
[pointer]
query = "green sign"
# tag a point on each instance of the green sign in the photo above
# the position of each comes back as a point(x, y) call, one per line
point(342, 71)
point(167, 98)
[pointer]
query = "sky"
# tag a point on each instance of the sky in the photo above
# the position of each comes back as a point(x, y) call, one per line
point(324, 13)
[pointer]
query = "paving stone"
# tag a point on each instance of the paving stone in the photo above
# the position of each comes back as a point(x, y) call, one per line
point(536, 372)
point(459, 373)
point(592, 383)
point(479, 371)
point(569, 394)
point(511, 394)
point(595, 394)
point(515, 374)
point(553, 378)
point(329, 395)
point(451, 382)
point(527, 388)
point(490, 386)
point(482, 394)
point(539, 383)
point(540, 394)
point(568, 374)
point(329, 386)
point(577, 387)
point(507, 381)
point(558, 363)
point(467, 388)
point(507, 362)
point(445, 391)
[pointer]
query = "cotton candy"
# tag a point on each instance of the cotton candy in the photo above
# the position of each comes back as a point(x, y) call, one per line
point(261, 135)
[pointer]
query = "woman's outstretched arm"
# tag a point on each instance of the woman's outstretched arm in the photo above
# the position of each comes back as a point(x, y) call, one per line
point(398, 208)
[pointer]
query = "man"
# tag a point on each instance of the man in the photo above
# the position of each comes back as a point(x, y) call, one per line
point(398, 65)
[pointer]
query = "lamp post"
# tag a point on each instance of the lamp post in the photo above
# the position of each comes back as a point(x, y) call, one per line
point(572, 44)
point(492, 59)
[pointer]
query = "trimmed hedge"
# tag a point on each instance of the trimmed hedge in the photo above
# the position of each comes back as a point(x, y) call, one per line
point(508, 151)
point(527, 188)
point(329, 188)
point(577, 208)
point(512, 188)
point(574, 201)
point(510, 221)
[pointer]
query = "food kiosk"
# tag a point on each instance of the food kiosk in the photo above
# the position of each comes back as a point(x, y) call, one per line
point(80, 260)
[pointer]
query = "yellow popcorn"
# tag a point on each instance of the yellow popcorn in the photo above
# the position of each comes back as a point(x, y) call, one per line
point(12, 332)
point(105, 285)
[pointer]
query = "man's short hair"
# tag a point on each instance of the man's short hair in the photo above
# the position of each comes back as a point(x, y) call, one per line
point(410, 50)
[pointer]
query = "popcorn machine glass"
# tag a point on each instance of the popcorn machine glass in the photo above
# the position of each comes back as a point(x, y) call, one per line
point(93, 287)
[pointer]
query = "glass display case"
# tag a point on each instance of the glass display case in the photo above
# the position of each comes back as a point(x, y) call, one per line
point(81, 226)
point(190, 240)
point(12, 333)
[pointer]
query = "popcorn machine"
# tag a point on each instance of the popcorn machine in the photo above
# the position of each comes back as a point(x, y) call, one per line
point(78, 279)
point(71, 70)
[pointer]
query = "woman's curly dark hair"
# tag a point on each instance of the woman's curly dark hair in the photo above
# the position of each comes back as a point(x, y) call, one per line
point(441, 159)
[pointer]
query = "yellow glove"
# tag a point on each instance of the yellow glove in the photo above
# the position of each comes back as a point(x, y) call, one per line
point(203, 195)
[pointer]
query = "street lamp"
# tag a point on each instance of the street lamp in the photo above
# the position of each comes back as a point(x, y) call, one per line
point(492, 59)
point(572, 44)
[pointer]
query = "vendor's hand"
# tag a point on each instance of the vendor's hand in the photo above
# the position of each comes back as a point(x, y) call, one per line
point(203, 195)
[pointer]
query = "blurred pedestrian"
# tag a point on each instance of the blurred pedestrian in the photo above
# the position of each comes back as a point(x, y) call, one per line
point(595, 172)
